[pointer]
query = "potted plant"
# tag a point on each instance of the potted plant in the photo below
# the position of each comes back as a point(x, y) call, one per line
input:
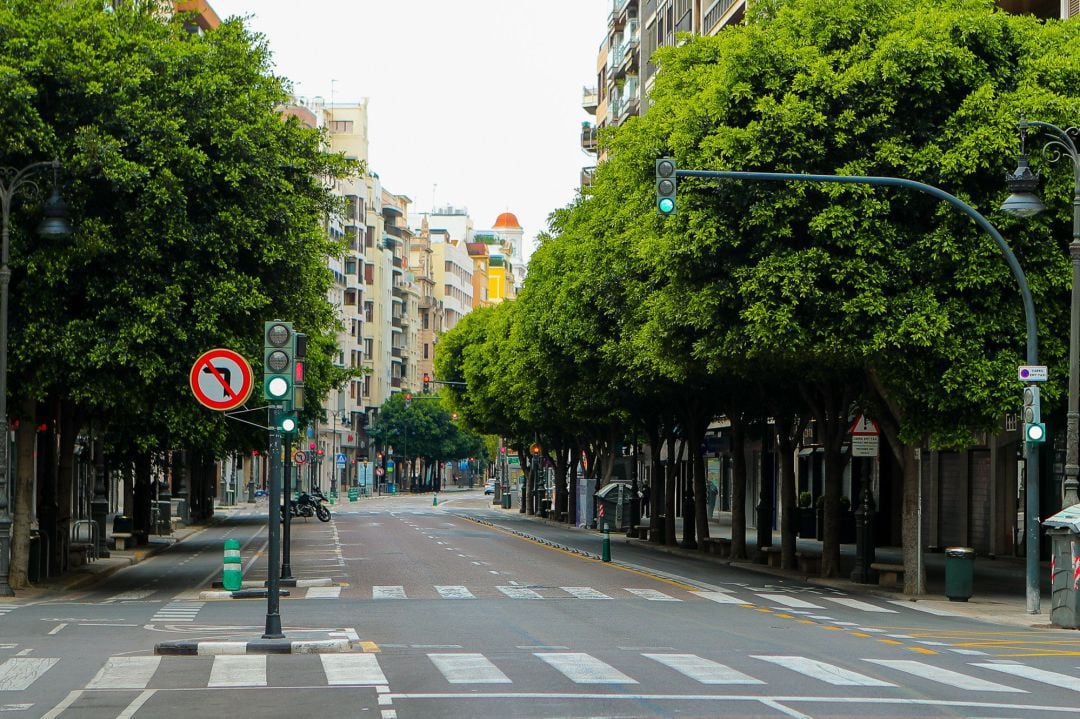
point(806, 516)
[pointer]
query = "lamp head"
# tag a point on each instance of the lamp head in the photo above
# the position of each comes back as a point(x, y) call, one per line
point(54, 225)
point(1022, 183)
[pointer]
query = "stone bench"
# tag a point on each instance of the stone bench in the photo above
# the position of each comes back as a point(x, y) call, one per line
point(121, 540)
point(772, 555)
point(720, 546)
point(889, 575)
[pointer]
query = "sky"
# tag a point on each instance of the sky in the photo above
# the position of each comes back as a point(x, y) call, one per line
point(474, 103)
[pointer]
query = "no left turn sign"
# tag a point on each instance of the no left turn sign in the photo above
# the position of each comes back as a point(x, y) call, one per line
point(221, 379)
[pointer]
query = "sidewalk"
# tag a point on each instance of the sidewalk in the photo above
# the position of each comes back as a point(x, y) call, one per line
point(999, 586)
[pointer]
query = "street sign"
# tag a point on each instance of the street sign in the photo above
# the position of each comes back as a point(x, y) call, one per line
point(865, 438)
point(221, 379)
point(299, 457)
point(1032, 373)
point(379, 471)
point(340, 460)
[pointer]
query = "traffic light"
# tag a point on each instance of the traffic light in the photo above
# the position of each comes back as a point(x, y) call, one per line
point(665, 186)
point(427, 383)
point(288, 422)
point(408, 400)
point(1034, 429)
point(279, 348)
point(299, 358)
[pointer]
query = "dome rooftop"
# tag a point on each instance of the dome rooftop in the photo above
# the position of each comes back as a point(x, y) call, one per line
point(507, 220)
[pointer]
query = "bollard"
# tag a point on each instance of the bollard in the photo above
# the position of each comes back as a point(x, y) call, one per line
point(435, 500)
point(231, 577)
point(605, 555)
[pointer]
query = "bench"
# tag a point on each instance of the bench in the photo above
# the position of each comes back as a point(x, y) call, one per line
point(889, 575)
point(121, 539)
point(772, 555)
point(720, 546)
point(809, 564)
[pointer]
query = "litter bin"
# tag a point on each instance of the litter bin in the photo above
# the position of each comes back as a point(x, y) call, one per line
point(959, 573)
point(1064, 532)
point(164, 517)
point(33, 567)
point(615, 498)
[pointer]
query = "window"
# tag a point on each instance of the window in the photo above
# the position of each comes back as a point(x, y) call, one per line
point(369, 349)
point(426, 350)
point(369, 312)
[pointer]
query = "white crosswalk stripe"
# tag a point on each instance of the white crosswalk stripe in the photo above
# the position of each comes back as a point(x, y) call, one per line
point(125, 673)
point(454, 592)
point(519, 592)
point(18, 673)
point(132, 595)
point(703, 670)
point(652, 595)
point(789, 601)
point(178, 611)
point(585, 592)
point(238, 671)
point(823, 671)
point(721, 597)
point(1045, 676)
point(388, 592)
point(466, 668)
point(6, 608)
point(352, 669)
point(582, 668)
point(944, 676)
point(323, 593)
point(860, 605)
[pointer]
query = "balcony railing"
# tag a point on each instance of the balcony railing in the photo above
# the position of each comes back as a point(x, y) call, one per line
point(589, 99)
point(395, 352)
point(587, 176)
point(588, 137)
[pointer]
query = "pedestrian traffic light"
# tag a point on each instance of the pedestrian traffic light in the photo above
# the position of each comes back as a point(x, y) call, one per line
point(279, 347)
point(1034, 429)
point(299, 358)
point(427, 383)
point(288, 422)
point(665, 186)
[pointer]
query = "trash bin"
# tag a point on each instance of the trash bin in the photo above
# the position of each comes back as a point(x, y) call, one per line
point(1064, 534)
point(164, 517)
point(959, 573)
point(615, 498)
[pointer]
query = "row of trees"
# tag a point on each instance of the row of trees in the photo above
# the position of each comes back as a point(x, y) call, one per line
point(797, 302)
point(199, 212)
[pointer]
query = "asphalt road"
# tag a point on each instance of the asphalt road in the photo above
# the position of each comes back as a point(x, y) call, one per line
point(463, 610)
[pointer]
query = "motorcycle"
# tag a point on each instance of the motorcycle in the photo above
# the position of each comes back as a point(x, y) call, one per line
point(309, 505)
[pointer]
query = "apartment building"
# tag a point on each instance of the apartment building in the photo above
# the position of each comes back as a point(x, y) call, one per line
point(429, 302)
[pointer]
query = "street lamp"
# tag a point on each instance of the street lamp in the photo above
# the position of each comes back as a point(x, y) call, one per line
point(53, 226)
point(1023, 202)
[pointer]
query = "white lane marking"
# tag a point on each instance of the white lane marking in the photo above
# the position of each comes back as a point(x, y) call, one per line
point(18, 673)
point(454, 592)
point(519, 592)
point(345, 669)
point(125, 673)
point(466, 668)
point(969, 652)
point(178, 611)
point(585, 592)
point(238, 671)
point(582, 668)
point(135, 705)
point(60, 708)
point(944, 676)
point(1054, 679)
point(789, 601)
point(861, 606)
point(388, 592)
point(323, 593)
point(828, 673)
point(652, 595)
point(924, 607)
point(130, 595)
point(721, 598)
point(703, 670)
point(57, 628)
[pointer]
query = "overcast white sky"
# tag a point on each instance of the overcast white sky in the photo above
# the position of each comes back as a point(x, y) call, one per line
point(475, 103)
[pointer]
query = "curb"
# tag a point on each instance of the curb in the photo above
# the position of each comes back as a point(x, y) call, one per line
point(241, 594)
point(321, 582)
point(255, 646)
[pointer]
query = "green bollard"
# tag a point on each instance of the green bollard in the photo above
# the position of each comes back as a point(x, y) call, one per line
point(232, 574)
point(605, 555)
point(435, 501)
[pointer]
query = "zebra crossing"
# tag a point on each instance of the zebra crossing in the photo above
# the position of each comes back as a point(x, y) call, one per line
point(139, 673)
point(178, 611)
point(7, 608)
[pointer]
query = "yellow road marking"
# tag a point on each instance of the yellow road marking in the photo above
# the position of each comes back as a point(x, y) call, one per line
point(370, 647)
point(922, 650)
point(859, 634)
point(890, 641)
point(785, 616)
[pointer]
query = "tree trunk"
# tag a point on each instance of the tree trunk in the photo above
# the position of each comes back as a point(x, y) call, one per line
point(26, 444)
point(669, 492)
point(656, 483)
point(785, 447)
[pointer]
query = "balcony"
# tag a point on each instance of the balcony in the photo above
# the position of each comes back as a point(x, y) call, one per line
point(588, 137)
point(395, 382)
point(721, 14)
point(395, 322)
point(587, 176)
point(589, 99)
point(395, 352)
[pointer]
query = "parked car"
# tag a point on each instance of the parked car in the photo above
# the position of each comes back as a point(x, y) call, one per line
point(489, 488)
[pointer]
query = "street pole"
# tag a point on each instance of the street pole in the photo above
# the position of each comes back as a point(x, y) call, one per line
point(1031, 463)
point(273, 601)
point(286, 540)
point(11, 182)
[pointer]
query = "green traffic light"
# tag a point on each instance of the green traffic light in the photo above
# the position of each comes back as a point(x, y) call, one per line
point(666, 205)
point(1035, 432)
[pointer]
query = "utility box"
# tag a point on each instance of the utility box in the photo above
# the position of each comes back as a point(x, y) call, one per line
point(614, 498)
point(1064, 531)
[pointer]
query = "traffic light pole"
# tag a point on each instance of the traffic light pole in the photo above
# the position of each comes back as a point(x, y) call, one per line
point(1031, 449)
point(286, 511)
point(273, 601)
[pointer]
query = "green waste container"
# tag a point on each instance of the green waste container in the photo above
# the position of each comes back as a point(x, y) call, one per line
point(959, 573)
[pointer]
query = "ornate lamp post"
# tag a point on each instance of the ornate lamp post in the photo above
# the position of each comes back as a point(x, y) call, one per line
point(54, 225)
point(1023, 202)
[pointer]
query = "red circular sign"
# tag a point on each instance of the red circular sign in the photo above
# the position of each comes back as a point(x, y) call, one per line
point(221, 379)
point(299, 457)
